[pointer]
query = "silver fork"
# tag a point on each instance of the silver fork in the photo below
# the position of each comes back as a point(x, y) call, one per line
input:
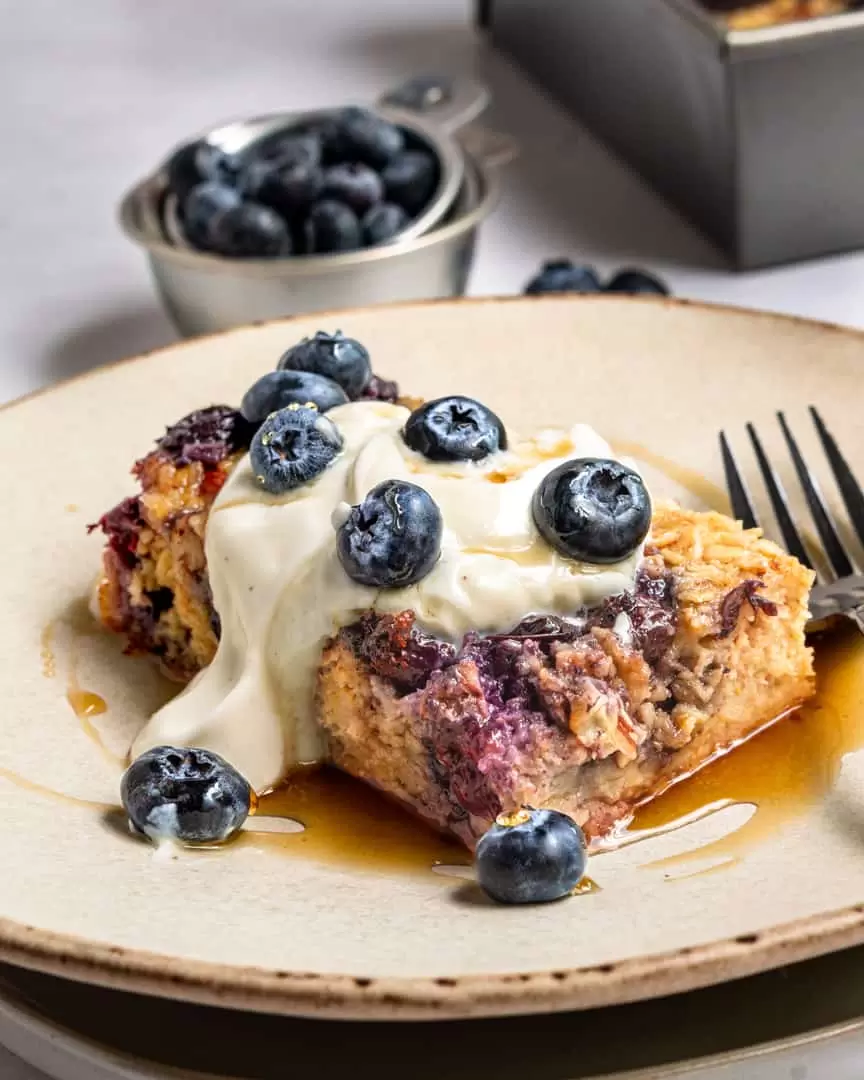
point(840, 586)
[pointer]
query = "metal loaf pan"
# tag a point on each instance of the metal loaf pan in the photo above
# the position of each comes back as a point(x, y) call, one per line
point(756, 136)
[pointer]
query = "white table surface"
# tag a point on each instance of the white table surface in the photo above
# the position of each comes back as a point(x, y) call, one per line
point(93, 94)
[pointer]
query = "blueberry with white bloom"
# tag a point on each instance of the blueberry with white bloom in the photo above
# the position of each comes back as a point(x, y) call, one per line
point(186, 795)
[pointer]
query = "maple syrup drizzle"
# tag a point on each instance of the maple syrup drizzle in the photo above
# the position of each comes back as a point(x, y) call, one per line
point(40, 789)
point(86, 704)
point(586, 887)
point(348, 823)
point(46, 651)
point(784, 770)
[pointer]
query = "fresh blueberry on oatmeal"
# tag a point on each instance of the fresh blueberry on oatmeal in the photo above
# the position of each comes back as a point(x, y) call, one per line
point(292, 447)
point(277, 389)
point(393, 538)
point(594, 510)
point(335, 356)
point(455, 428)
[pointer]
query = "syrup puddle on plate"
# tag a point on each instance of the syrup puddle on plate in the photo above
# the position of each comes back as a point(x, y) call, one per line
point(347, 823)
point(781, 772)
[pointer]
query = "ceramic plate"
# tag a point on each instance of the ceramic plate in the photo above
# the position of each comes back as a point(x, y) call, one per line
point(267, 924)
point(813, 1028)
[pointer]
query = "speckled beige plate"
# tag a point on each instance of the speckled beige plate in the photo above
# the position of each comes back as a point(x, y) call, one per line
point(814, 1028)
point(255, 928)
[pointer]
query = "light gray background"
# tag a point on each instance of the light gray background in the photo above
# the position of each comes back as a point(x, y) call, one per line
point(93, 93)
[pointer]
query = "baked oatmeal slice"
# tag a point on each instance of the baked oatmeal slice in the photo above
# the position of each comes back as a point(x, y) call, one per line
point(154, 586)
point(590, 715)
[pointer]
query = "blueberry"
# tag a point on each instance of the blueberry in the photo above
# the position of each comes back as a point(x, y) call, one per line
point(185, 794)
point(288, 187)
point(326, 130)
point(331, 226)
point(531, 857)
point(354, 184)
point(393, 538)
point(563, 276)
point(201, 206)
point(410, 180)
point(333, 355)
point(214, 163)
point(360, 135)
point(454, 429)
point(382, 223)
point(593, 509)
point(181, 170)
point(249, 230)
point(277, 389)
point(637, 281)
point(291, 147)
point(292, 447)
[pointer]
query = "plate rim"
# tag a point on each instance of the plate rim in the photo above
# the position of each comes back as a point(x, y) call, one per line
point(360, 997)
point(29, 1014)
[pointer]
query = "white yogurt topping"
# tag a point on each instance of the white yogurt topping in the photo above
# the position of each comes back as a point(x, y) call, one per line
point(281, 592)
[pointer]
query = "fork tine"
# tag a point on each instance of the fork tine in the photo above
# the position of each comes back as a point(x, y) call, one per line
point(824, 525)
point(739, 496)
point(853, 498)
point(791, 536)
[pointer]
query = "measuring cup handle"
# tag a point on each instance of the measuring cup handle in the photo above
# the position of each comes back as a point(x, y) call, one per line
point(488, 148)
point(450, 103)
